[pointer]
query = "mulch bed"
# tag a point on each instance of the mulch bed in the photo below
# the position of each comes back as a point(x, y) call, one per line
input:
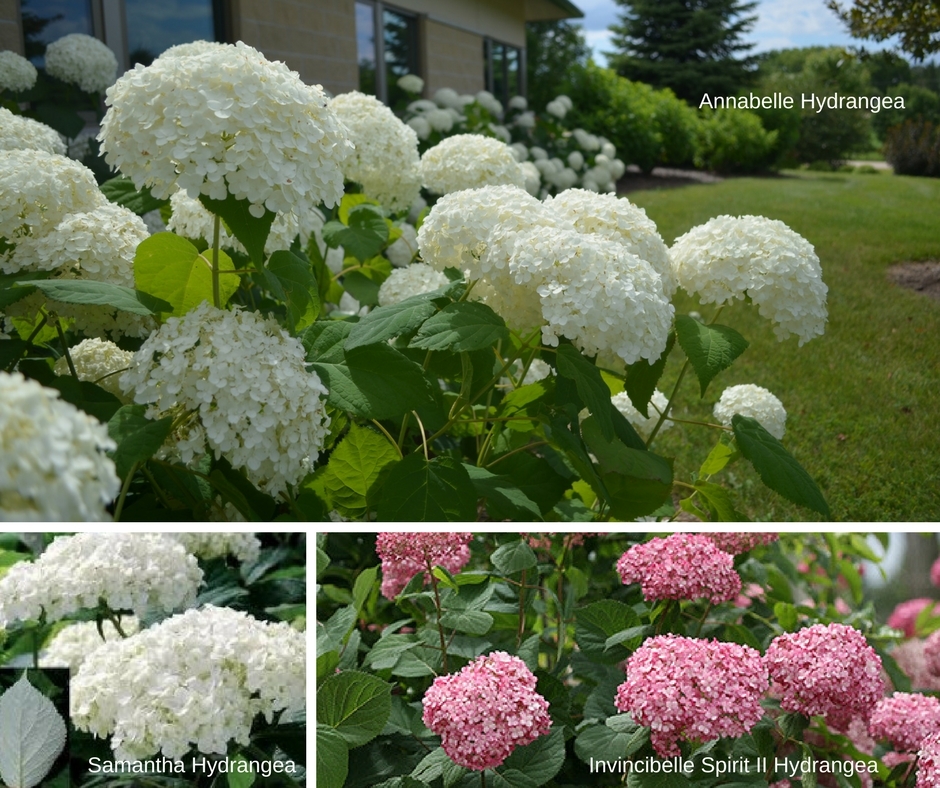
point(921, 277)
point(634, 180)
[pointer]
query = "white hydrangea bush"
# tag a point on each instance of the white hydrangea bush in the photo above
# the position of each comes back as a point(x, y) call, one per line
point(17, 74)
point(82, 60)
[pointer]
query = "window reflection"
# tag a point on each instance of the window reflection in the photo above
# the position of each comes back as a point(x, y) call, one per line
point(45, 21)
point(400, 43)
point(365, 47)
point(502, 70)
point(153, 27)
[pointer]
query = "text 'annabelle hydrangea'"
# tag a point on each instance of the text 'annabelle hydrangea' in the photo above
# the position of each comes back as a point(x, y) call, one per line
point(196, 680)
point(681, 566)
point(406, 554)
point(693, 690)
point(486, 710)
point(828, 670)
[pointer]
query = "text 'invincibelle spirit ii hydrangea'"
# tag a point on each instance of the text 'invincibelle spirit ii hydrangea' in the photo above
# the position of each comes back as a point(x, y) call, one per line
point(294, 306)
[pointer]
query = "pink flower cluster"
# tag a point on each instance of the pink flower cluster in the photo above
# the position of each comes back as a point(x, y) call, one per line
point(681, 566)
point(743, 542)
point(935, 573)
point(932, 654)
point(406, 554)
point(826, 669)
point(698, 690)
point(486, 710)
point(905, 719)
point(911, 656)
point(904, 616)
point(928, 763)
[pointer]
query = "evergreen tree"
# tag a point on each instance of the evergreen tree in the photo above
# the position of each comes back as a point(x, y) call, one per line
point(553, 48)
point(691, 46)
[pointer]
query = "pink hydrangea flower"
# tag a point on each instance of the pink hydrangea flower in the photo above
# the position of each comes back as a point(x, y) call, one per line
point(911, 657)
point(905, 719)
point(904, 616)
point(697, 690)
point(406, 554)
point(825, 669)
point(932, 653)
point(935, 573)
point(681, 566)
point(743, 542)
point(486, 710)
point(928, 763)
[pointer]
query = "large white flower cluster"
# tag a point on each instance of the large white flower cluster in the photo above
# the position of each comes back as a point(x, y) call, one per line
point(617, 219)
point(82, 60)
point(192, 48)
point(71, 645)
point(643, 425)
point(17, 132)
point(729, 257)
point(245, 547)
point(16, 72)
point(385, 161)
point(196, 680)
point(227, 121)
point(755, 402)
point(53, 465)
point(98, 361)
point(243, 380)
point(136, 572)
point(410, 281)
point(469, 161)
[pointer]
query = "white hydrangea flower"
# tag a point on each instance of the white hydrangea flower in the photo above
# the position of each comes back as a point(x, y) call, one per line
point(520, 151)
point(380, 138)
point(501, 132)
point(525, 120)
point(244, 547)
point(136, 572)
point(410, 281)
point(556, 108)
point(421, 105)
point(16, 72)
point(403, 250)
point(469, 161)
point(245, 381)
point(227, 121)
point(192, 48)
point(53, 465)
point(755, 402)
point(595, 293)
point(411, 83)
point(617, 169)
point(643, 425)
point(440, 119)
point(588, 142)
point(421, 126)
point(18, 132)
point(82, 60)
point(619, 220)
point(98, 361)
point(196, 680)
point(490, 103)
point(518, 102)
point(448, 97)
point(71, 645)
point(80, 146)
point(576, 160)
point(538, 370)
point(533, 178)
point(608, 149)
point(729, 257)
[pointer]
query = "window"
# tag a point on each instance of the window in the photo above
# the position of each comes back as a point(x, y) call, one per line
point(137, 30)
point(395, 47)
point(503, 70)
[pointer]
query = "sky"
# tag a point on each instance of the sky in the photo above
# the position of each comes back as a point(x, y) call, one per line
point(781, 24)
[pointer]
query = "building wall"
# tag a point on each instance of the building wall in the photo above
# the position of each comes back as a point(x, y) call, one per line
point(503, 20)
point(453, 58)
point(11, 36)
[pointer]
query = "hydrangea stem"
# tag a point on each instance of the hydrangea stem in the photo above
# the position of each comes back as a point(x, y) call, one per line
point(437, 605)
point(216, 291)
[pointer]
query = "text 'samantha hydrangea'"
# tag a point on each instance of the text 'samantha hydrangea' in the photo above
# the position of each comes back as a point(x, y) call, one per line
point(680, 566)
point(53, 465)
point(69, 647)
point(617, 219)
point(405, 555)
point(905, 719)
point(197, 679)
point(928, 763)
point(904, 616)
point(385, 161)
point(469, 161)
point(412, 280)
point(486, 710)
point(98, 361)
point(133, 572)
point(18, 132)
point(82, 60)
point(643, 425)
point(245, 382)
point(756, 403)
point(828, 670)
point(742, 541)
point(16, 72)
point(729, 257)
point(227, 121)
point(692, 690)
point(208, 545)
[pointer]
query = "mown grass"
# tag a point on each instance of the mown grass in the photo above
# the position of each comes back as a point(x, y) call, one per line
point(863, 401)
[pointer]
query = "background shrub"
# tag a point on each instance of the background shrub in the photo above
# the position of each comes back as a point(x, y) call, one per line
point(733, 140)
point(913, 148)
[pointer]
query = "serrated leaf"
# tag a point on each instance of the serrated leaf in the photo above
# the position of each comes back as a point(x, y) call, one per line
point(513, 557)
point(363, 586)
point(121, 191)
point(535, 477)
point(171, 268)
point(460, 327)
point(473, 622)
point(332, 758)
point(504, 501)
point(251, 230)
point(356, 705)
point(296, 286)
point(591, 386)
point(137, 437)
point(10, 294)
point(710, 349)
point(354, 466)
point(604, 743)
point(418, 490)
point(32, 734)
point(642, 377)
point(362, 237)
point(778, 469)
point(717, 459)
point(597, 622)
point(540, 760)
point(385, 322)
point(86, 291)
point(719, 503)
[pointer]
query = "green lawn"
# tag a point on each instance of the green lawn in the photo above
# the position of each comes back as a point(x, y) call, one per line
point(863, 401)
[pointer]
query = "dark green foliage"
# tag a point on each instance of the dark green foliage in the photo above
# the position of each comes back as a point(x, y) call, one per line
point(913, 148)
point(733, 140)
point(552, 49)
point(920, 103)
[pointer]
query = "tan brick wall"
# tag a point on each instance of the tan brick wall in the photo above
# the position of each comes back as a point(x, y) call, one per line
point(11, 36)
point(453, 59)
point(316, 38)
point(503, 20)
